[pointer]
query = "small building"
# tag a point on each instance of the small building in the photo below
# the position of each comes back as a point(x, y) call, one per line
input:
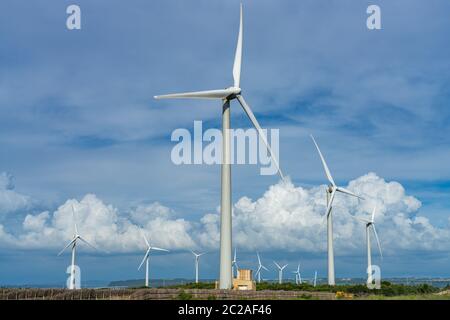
point(244, 280)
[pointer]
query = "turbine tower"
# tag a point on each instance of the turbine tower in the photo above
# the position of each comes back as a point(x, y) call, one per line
point(315, 279)
point(371, 223)
point(280, 272)
point(234, 265)
point(298, 276)
point(197, 258)
point(73, 243)
point(146, 258)
point(260, 266)
point(331, 192)
point(225, 96)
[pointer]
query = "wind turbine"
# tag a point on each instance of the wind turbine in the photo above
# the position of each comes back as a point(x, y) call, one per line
point(280, 272)
point(298, 277)
point(331, 192)
point(197, 258)
point(315, 279)
point(371, 223)
point(73, 243)
point(234, 265)
point(260, 266)
point(226, 95)
point(147, 256)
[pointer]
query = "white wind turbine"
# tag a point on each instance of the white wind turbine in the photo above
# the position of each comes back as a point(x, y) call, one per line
point(298, 276)
point(146, 258)
point(234, 265)
point(73, 243)
point(331, 192)
point(226, 95)
point(371, 223)
point(197, 258)
point(280, 272)
point(260, 266)
point(315, 279)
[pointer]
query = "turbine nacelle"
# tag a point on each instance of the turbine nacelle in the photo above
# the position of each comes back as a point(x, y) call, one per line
point(234, 92)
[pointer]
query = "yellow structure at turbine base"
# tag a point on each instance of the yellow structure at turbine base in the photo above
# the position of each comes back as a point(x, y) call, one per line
point(244, 281)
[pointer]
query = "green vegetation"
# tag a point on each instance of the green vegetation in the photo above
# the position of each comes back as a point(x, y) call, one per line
point(387, 288)
point(184, 296)
point(193, 285)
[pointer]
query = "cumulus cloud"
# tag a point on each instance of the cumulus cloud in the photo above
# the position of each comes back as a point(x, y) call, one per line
point(286, 217)
point(10, 200)
point(291, 218)
point(103, 226)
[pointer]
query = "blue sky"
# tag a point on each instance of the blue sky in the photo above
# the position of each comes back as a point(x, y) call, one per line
point(77, 117)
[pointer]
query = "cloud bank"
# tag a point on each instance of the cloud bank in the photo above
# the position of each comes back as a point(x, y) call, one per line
point(285, 217)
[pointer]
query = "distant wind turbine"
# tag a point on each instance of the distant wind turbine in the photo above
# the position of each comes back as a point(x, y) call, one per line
point(371, 223)
point(260, 267)
point(73, 243)
point(315, 279)
point(225, 96)
point(298, 276)
point(331, 192)
point(197, 258)
point(234, 265)
point(146, 258)
point(280, 272)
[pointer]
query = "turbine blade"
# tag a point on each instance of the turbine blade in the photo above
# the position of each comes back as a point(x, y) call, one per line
point(373, 213)
point(146, 241)
point(330, 203)
point(378, 240)
point(238, 55)
point(210, 94)
point(74, 220)
point(259, 270)
point(346, 191)
point(252, 118)
point(90, 245)
point(145, 257)
point(259, 259)
point(361, 219)
point(277, 265)
point(327, 171)
point(264, 268)
point(234, 255)
point(68, 245)
point(159, 249)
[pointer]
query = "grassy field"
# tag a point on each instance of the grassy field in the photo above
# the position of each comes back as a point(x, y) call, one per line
point(265, 291)
point(388, 291)
point(407, 297)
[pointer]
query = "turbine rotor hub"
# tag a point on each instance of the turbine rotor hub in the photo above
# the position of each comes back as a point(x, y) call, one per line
point(234, 91)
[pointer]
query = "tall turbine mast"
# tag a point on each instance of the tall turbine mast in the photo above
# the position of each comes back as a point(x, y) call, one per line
point(370, 224)
point(197, 258)
point(73, 243)
point(260, 267)
point(146, 259)
point(331, 192)
point(226, 96)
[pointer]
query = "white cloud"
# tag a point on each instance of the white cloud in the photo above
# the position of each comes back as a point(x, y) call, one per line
point(291, 218)
point(285, 218)
point(10, 200)
point(103, 226)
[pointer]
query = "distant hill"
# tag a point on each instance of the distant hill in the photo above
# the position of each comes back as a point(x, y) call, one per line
point(154, 283)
